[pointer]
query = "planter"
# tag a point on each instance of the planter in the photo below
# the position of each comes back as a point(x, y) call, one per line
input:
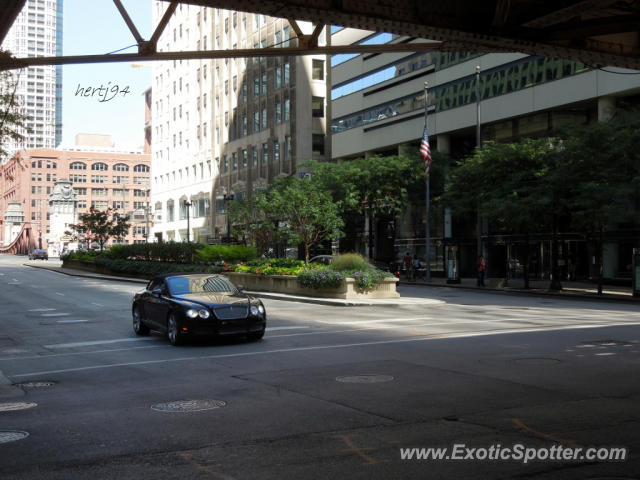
point(289, 284)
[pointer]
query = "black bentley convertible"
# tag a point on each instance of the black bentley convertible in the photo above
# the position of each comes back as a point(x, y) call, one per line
point(185, 305)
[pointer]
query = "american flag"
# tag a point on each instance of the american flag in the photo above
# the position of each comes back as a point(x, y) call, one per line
point(425, 151)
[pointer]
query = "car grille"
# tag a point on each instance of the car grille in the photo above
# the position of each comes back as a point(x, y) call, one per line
point(232, 312)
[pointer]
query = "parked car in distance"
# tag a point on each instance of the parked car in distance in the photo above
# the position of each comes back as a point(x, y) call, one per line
point(38, 253)
point(184, 305)
point(323, 259)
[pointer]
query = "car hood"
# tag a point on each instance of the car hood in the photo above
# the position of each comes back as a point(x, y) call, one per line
point(213, 300)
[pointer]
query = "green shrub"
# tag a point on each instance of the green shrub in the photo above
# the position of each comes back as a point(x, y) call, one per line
point(225, 253)
point(320, 278)
point(179, 252)
point(349, 261)
point(150, 269)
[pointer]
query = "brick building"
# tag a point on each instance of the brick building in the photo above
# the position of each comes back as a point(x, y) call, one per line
point(102, 177)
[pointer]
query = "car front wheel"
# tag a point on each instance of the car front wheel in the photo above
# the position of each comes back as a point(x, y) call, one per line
point(173, 331)
point(138, 325)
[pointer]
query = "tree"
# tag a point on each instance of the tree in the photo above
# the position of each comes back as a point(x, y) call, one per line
point(509, 184)
point(12, 120)
point(601, 163)
point(374, 187)
point(306, 214)
point(99, 226)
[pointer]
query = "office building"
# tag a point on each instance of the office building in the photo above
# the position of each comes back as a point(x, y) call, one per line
point(226, 128)
point(378, 107)
point(37, 32)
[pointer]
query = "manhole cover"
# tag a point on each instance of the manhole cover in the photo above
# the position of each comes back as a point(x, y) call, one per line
point(7, 436)
point(188, 405)
point(34, 384)
point(536, 361)
point(11, 407)
point(607, 343)
point(365, 379)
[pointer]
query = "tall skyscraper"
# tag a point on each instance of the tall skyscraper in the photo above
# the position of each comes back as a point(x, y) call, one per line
point(37, 32)
point(225, 128)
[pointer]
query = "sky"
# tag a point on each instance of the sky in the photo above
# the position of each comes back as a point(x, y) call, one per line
point(96, 27)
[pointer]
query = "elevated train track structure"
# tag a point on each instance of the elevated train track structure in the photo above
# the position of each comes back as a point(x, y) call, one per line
point(595, 32)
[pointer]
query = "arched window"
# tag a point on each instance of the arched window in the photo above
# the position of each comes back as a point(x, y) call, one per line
point(121, 167)
point(78, 166)
point(141, 168)
point(100, 166)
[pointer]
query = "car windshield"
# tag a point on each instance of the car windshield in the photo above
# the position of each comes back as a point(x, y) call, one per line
point(199, 284)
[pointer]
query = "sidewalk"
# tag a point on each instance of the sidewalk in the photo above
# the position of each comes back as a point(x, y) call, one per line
point(584, 290)
point(573, 290)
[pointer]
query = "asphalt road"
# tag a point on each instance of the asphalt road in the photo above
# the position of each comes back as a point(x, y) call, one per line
point(330, 392)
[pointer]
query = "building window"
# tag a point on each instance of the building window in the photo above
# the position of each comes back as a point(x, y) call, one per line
point(244, 158)
point(99, 192)
point(286, 37)
point(121, 167)
point(317, 106)
point(225, 164)
point(285, 69)
point(256, 122)
point(170, 211)
point(317, 69)
point(276, 151)
point(264, 84)
point(141, 168)
point(278, 78)
point(100, 167)
point(265, 154)
point(318, 144)
point(263, 120)
point(254, 157)
point(287, 147)
point(287, 110)
point(278, 113)
point(244, 125)
point(99, 179)
point(234, 161)
point(78, 166)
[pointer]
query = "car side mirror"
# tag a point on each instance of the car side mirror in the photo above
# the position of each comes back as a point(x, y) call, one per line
point(240, 288)
point(156, 291)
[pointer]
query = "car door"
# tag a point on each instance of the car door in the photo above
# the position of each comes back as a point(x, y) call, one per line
point(157, 304)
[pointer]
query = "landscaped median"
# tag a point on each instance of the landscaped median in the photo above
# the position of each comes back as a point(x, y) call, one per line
point(349, 276)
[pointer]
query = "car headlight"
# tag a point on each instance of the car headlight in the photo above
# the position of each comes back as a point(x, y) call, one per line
point(202, 313)
point(257, 310)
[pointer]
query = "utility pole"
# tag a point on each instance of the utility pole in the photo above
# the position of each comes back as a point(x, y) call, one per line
point(187, 205)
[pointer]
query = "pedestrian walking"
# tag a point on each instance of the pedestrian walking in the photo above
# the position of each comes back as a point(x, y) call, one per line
point(415, 266)
point(482, 268)
point(407, 264)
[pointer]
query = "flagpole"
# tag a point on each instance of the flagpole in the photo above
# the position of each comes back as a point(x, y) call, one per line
point(427, 275)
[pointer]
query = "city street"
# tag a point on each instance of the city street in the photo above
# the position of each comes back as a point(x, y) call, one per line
point(330, 392)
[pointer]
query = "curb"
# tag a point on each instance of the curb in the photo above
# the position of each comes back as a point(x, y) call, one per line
point(606, 297)
point(338, 302)
point(89, 275)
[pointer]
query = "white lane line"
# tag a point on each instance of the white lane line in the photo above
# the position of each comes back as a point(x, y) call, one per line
point(15, 280)
point(61, 294)
point(312, 348)
point(93, 352)
point(271, 329)
point(97, 304)
point(98, 342)
point(54, 314)
point(72, 321)
point(41, 309)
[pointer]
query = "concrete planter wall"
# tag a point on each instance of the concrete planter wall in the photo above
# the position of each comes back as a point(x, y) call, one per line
point(289, 284)
point(91, 267)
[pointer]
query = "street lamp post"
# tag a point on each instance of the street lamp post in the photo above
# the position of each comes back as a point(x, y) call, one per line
point(187, 205)
point(228, 198)
point(146, 216)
